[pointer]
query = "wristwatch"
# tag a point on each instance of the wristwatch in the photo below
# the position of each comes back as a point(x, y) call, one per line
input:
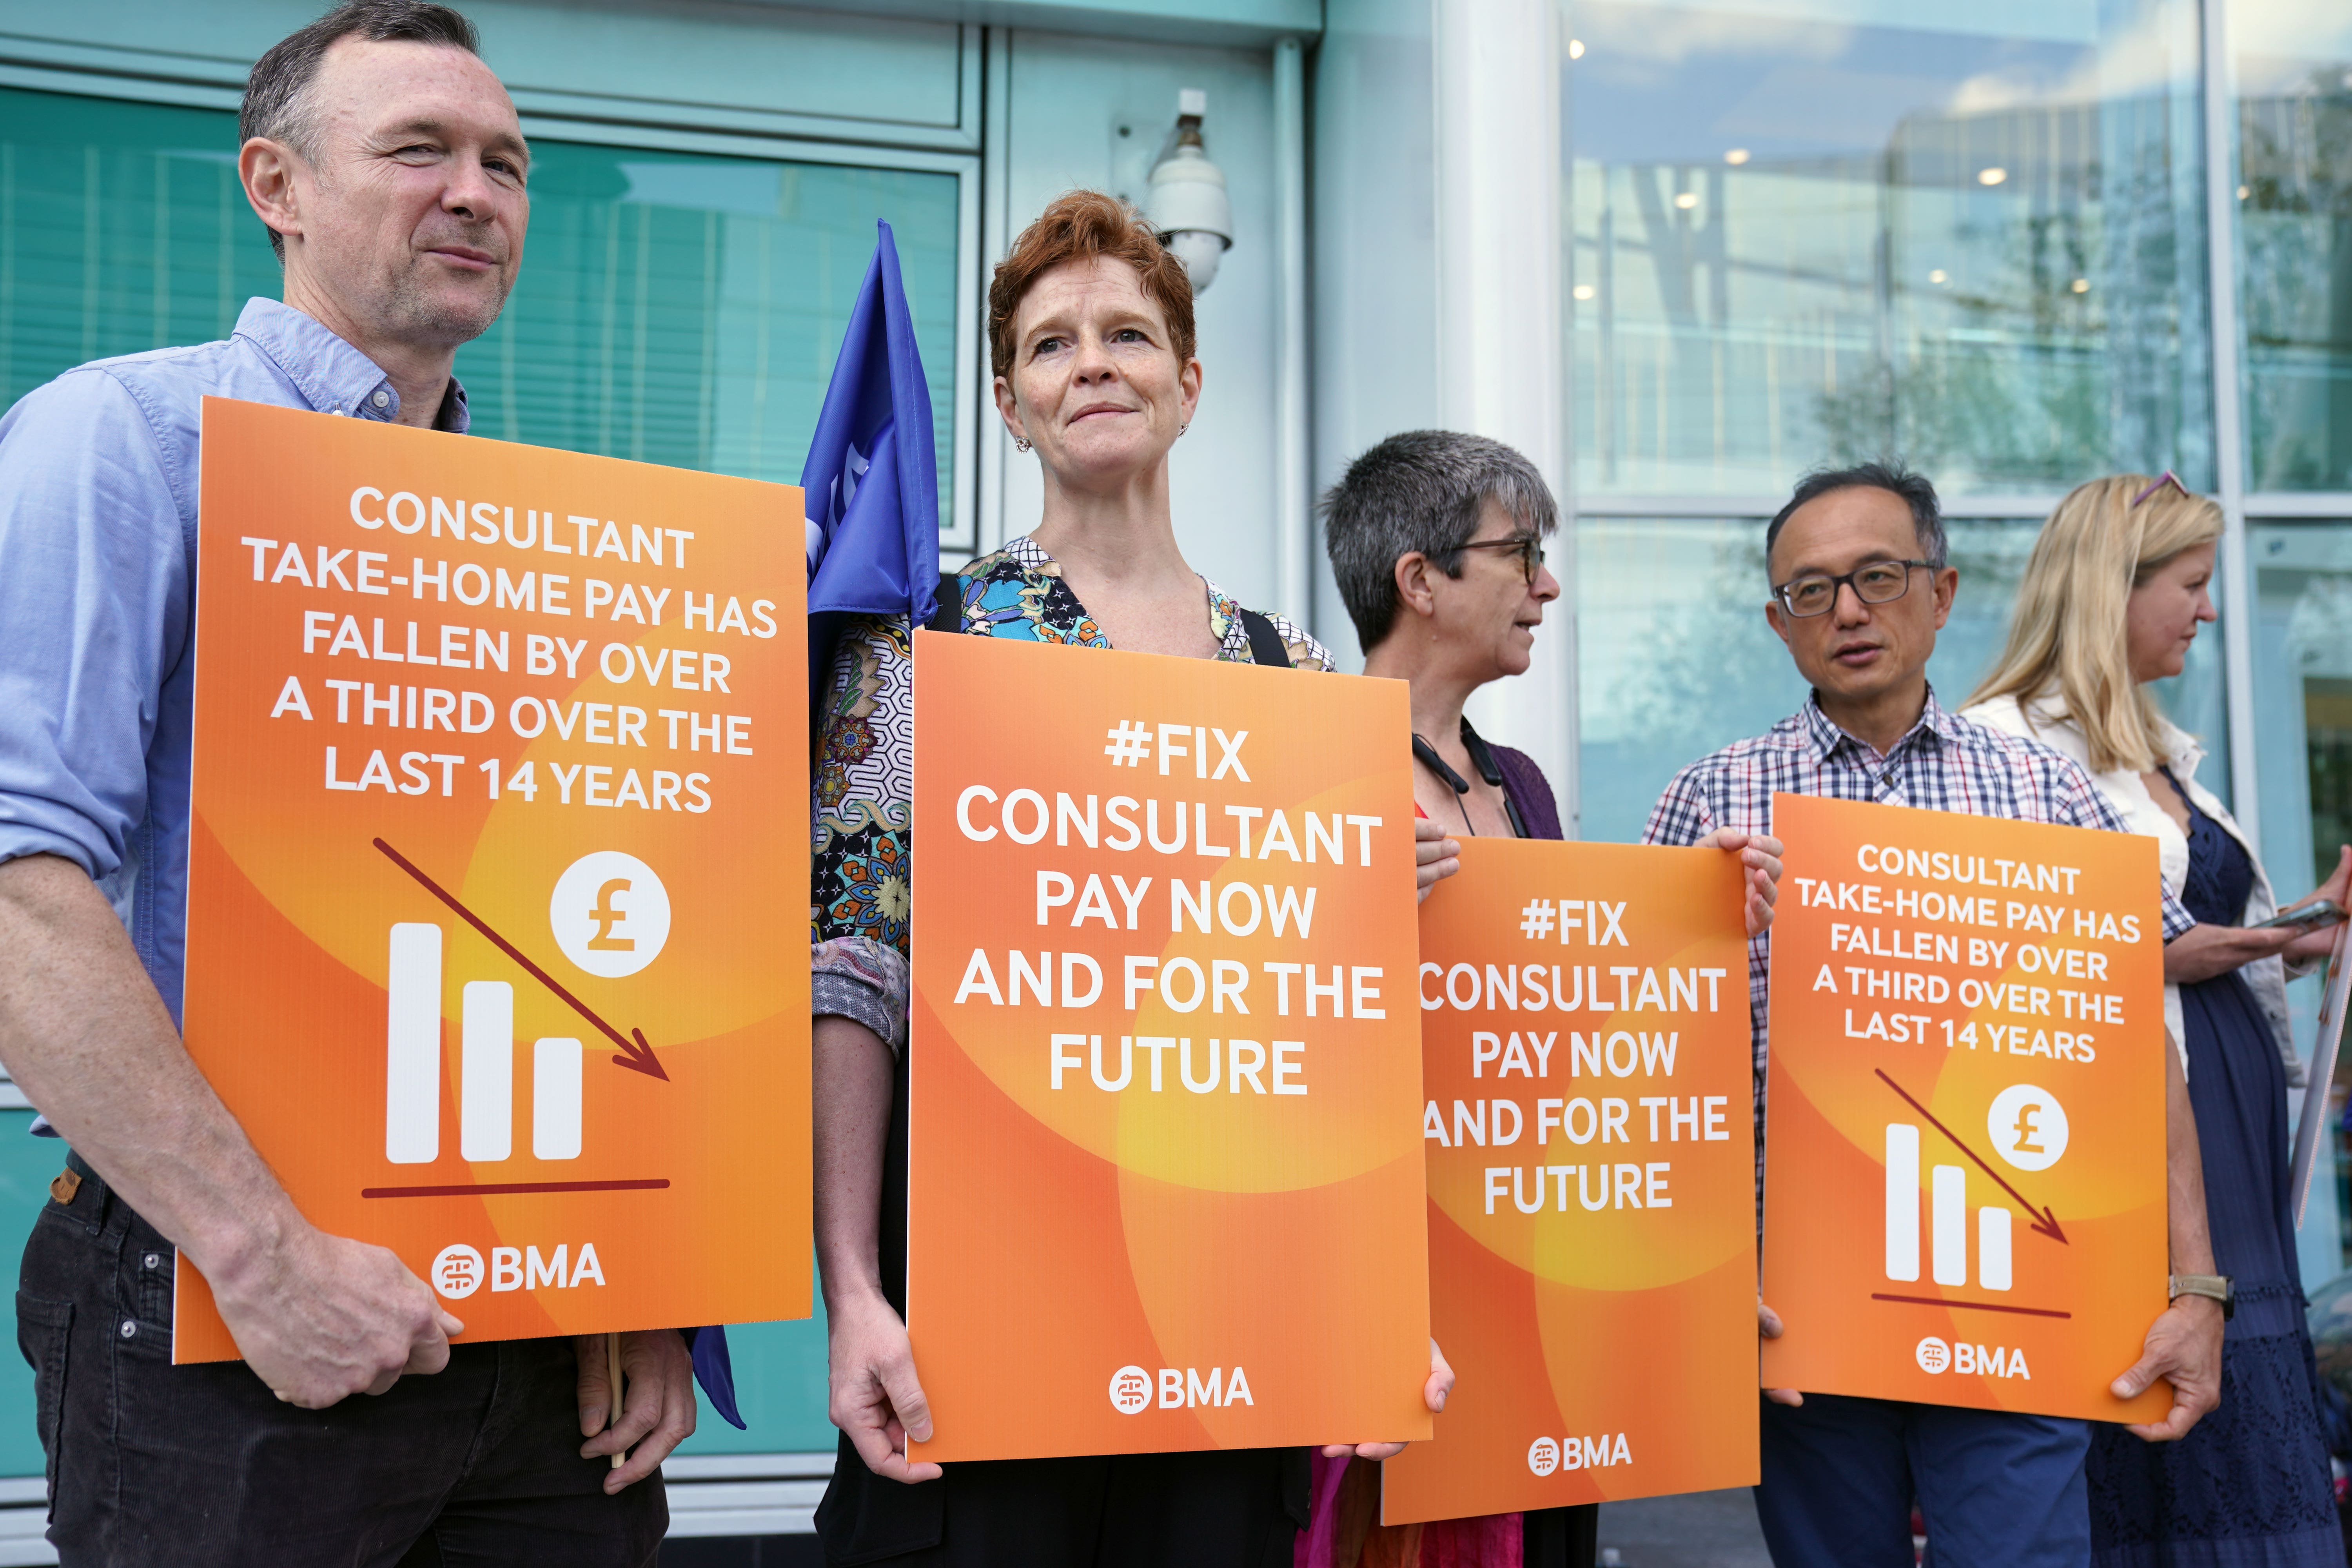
point(2216, 1285)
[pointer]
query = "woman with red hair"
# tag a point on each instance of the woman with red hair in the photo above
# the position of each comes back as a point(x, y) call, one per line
point(1091, 343)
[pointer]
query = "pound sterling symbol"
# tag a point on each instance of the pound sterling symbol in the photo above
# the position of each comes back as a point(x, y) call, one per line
point(2029, 1128)
point(606, 916)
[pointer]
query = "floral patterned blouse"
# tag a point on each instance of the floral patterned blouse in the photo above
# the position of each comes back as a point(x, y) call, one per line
point(860, 898)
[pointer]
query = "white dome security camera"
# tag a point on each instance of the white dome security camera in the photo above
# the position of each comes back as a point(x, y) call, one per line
point(1188, 203)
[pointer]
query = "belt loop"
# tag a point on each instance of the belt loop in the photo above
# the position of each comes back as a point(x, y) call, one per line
point(107, 1216)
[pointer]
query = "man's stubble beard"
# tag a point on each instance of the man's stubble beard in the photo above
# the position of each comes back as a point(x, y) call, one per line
point(416, 312)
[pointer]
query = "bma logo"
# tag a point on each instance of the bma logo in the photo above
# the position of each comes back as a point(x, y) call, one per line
point(1179, 1388)
point(1130, 1391)
point(458, 1270)
point(1998, 1361)
point(1545, 1455)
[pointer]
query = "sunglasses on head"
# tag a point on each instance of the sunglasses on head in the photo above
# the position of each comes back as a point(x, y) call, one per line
point(2162, 479)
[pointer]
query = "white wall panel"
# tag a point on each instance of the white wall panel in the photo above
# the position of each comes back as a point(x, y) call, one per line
point(1374, 285)
point(1067, 98)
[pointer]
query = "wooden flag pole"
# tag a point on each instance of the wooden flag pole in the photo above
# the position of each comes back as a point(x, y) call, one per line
point(613, 1376)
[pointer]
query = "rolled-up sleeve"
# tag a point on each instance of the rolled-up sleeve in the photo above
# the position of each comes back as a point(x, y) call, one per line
point(863, 809)
point(95, 603)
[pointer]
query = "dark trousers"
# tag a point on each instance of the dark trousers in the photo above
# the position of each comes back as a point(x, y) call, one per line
point(1223, 1509)
point(1994, 1486)
point(195, 1466)
point(1561, 1537)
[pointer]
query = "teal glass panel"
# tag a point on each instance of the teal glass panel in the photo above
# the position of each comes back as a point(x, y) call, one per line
point(27, 1164)
point(686, 310)
point(670, 308)
point(1674, 657)
point(1815, 230)
point(121, 229)
point(2295, 236)
point(780, 1385)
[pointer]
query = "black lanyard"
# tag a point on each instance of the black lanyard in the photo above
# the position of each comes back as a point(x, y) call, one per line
point(1481, 758)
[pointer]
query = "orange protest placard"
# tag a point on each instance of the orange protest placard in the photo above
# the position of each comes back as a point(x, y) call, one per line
point(1165, 1187)
point(1588, 1074)
point(495, 910)
point(1964, 1187)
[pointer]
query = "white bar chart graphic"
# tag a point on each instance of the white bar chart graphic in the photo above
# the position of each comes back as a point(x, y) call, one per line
point(555, 1066)
point(485, 1072)
point(1902, 1201)
point(412, 1087)
point(1948, 1240)
point(485, 1100)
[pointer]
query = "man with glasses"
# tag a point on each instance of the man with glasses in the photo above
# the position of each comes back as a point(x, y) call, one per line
point(1860, 586)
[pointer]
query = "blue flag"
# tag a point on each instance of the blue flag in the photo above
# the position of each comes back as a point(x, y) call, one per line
point(871, 480)
point(872, 498)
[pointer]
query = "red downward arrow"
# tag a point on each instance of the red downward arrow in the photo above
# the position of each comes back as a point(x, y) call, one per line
point(634, 1053)
point(2044, 1220)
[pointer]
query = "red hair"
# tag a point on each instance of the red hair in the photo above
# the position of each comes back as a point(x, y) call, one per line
point(1085, 225)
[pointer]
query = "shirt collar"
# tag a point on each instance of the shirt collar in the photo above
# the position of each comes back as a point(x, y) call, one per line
point(1827, 739)
point(333, 376)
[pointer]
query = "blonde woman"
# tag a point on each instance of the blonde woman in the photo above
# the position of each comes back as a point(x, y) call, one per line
point(2112, 598)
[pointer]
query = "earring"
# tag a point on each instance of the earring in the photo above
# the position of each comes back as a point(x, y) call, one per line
point(1182, 428)
point(1021, 443)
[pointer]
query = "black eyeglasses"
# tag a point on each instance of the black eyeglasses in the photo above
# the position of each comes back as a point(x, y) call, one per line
point(1878, 582)
point(1531, 547)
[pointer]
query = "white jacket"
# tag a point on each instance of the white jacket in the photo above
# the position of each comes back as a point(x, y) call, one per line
point(2266, 977)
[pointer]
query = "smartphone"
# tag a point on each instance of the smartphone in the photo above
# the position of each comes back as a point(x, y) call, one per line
point(2309, 918)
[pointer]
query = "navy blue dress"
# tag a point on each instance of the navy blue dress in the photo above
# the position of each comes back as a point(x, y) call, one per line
point(2250, 1484)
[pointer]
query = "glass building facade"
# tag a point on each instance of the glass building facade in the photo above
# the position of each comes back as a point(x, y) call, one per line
point(2016, 245)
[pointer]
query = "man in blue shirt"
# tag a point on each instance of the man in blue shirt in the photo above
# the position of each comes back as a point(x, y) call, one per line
point(390, 168)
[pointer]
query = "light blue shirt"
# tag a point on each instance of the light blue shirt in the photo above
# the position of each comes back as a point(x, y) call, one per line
point(97, 570)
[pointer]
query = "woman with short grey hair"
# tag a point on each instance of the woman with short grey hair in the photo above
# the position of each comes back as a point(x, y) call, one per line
point(1437, 541)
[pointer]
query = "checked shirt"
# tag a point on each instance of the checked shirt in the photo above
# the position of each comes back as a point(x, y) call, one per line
point(1945, 763)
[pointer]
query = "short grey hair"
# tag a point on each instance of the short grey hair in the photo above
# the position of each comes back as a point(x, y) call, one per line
point(1421, 490)
point(278, 93)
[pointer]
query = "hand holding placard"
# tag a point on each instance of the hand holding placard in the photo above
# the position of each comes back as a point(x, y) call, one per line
point(1586, 1073)
point(1965, 1154)
point(478, 761)
point(1165, 1062)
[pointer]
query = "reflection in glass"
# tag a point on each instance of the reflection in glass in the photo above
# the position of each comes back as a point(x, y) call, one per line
point(1815, 230)
point(2303, 697)
point(2303, 734)
point(1674, 659)
point(2294, 231)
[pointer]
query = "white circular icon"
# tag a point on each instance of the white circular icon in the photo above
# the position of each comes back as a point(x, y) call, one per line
point(610, 913)
point(1932, 1354)
point(1130, 1391)
point(1543, 1456)
point(2027, 1127)
point(457, 1271)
